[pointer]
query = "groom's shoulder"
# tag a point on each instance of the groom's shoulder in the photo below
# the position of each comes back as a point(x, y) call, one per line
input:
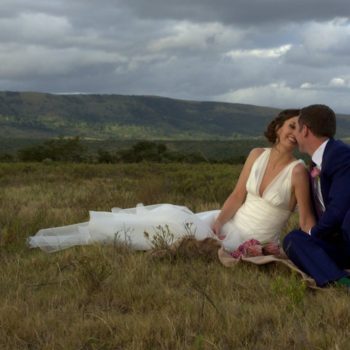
point(344, 146)
point(338, 147)
point(338, 153)
point(336, 143)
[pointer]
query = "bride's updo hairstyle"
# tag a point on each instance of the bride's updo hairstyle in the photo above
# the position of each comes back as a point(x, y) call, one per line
point(275, 124)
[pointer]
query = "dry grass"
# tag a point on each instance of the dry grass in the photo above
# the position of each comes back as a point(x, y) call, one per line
point(107, 297)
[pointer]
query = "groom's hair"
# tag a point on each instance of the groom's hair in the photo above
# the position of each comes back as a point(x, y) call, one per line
point(320, 119)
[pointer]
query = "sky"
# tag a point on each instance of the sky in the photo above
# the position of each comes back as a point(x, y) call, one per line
point(276, 53)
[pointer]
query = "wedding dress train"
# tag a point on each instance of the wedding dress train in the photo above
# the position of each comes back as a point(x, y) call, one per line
point(260, 217)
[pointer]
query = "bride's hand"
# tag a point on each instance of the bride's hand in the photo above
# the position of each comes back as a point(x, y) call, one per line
point(217, 229)
point(272, 248)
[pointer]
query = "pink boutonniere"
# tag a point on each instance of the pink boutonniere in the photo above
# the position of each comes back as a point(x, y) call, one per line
point(315, 172)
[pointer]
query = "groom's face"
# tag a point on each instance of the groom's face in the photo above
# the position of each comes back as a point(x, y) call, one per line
point(299, 136)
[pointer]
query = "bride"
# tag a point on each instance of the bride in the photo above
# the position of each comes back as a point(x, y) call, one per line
point(270, 185)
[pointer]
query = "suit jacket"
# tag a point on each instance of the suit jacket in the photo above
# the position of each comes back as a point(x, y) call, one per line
point(335, 188)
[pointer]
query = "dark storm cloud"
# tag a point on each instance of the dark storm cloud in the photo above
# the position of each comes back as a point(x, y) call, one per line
point(277, 53)
point(243, 12)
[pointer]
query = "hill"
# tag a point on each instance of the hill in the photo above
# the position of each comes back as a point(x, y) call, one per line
point(41, 115)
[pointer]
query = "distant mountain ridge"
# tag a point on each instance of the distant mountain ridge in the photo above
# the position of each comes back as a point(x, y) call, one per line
point(42, 115)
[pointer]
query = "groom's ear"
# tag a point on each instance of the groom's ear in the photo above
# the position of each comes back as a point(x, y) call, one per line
point(305, 131)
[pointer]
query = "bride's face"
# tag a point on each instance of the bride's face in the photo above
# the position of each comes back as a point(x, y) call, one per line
point(286, 133)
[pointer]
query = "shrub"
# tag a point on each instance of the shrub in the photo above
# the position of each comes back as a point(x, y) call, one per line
point(69, 150)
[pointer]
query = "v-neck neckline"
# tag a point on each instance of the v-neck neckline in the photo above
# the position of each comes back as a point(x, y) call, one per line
point(274, 178)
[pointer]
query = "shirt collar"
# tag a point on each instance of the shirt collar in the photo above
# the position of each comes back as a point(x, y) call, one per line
point(318, 154)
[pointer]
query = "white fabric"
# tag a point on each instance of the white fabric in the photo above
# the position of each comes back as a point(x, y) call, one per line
point(317, 159)
point(261, 218)
point(317, 156)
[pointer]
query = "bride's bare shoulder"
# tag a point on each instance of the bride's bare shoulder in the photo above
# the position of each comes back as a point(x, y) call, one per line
point(256, 152)
point(252, 156)
point(300, 172)
point(300, 167)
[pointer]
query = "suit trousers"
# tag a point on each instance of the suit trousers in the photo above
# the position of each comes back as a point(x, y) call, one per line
point(323, 260)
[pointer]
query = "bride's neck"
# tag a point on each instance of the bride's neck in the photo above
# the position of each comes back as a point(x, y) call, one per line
point(280, 155)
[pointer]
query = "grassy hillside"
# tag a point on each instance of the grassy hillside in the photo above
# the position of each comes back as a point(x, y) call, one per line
point(30, 115)
point(108, 297)
point(38, 115)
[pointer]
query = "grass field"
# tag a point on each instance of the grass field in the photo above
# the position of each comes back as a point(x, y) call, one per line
point(108, 297)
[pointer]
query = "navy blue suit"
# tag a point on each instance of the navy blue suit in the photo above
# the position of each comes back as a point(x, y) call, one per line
point(326, 252)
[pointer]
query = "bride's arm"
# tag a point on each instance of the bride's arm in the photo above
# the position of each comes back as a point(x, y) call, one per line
point(301, 184)
point(237, 197)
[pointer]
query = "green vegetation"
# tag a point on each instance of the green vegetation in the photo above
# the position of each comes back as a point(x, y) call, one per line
point(77, 150)
point(38, 115)
point(68, 150)
point(108, 297)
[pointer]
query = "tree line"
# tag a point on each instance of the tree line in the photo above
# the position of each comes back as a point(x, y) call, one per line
point(73, 150)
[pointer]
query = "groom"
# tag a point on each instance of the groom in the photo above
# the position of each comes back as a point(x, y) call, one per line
point(324, 252)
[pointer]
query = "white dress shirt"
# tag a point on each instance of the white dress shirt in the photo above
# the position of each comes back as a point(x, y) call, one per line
point(318, 154)
point(317, 157)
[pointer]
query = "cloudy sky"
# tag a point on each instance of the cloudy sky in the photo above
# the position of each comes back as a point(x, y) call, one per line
point(278, 53)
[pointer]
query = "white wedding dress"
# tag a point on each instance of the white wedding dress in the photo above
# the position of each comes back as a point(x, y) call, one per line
point(260, 217)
